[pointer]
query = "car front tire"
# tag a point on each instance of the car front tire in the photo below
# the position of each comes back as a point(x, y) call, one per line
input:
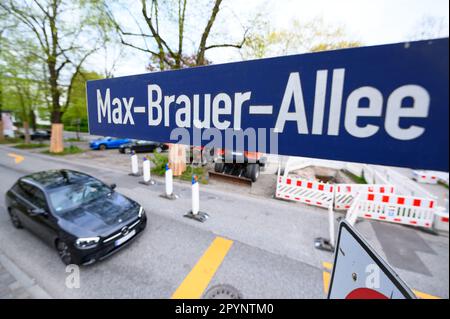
point(64, 252)
point(102, 147)
point(15, 219)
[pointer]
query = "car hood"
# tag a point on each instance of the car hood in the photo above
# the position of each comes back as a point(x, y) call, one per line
point(100, 217)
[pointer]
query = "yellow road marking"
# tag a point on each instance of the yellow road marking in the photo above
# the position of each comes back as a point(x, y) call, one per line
point(198, 279)
point(423, 295)
point(327, 265)
point(326, 281)
point(17, 158)
point(327, 277)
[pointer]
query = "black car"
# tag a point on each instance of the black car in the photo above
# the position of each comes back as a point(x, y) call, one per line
point(141, 146)
point(83, 218)
point(38, 135)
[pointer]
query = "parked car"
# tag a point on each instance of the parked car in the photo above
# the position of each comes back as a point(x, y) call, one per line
point(38, 135)
point(108, 142)
point(140, 146)
point(80, 216)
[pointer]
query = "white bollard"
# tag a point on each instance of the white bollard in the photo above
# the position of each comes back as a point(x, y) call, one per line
point(169, 181)
point(146, 172)
point(195, 195)
point(195, 213)
point(134, 165)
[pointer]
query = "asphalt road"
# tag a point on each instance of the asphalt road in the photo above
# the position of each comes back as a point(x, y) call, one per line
point(272, 255)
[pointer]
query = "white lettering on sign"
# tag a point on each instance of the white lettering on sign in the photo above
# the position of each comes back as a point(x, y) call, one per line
point(223, 110)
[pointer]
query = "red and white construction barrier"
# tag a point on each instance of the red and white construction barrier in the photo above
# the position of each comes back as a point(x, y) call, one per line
point(303, 191)
point(345, 193)
point(441, 221)
point(425, 177)
point(398, 209)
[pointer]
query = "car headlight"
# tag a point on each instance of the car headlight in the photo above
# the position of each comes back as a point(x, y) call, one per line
point(87, 243)
point(141, 212)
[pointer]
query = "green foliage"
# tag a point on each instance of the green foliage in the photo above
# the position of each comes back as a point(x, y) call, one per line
point(159, 168)
point(29, 145)
point(310, 36)
point(159, 163)
point(77, 109)
point(72, 149)
point(11, 140)
point(200, 171)
point(355, 178)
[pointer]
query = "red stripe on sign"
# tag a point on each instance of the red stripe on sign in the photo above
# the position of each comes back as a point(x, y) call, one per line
point(416, 202)
point(382, 217)
point(385, 199)
point(320, 187)
point(309, 185)
point(288, 181)
point(444, 219)
point(297, 198)
point(413, 222)
point(382, 190)
point(397, 220)
point(280, 179)
point(287, 196)
point(431, 204)
point(401, 200)
point(347, 206)
point(308, 201)
point(433, 177)
point(427, 224)
point(331, 188)
point(368, 215)
point(299, 183)
point(424, 176)
point(319, 203)
point(370, 196)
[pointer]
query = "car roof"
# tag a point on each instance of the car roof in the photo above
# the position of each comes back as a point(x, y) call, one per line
point(55, 178)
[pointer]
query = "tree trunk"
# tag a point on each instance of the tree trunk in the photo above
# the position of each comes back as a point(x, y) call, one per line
point(56, 139)
point(26, 132)
point(2, 135)
point(177, 158)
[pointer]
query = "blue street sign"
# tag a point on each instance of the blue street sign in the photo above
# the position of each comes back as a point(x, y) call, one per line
point(384, 105)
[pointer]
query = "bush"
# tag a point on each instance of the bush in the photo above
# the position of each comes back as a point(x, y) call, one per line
point(159, 163)
point(11, 140)
point(72, 149)
point(159, 168)
point(29, 146)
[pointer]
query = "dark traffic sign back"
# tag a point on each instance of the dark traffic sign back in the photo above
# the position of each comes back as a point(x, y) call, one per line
point(385, 104)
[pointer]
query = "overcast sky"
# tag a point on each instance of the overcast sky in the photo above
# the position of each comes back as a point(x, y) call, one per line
point(371, 22)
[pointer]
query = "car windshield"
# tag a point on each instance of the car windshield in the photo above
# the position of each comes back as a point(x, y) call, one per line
point(71, 196)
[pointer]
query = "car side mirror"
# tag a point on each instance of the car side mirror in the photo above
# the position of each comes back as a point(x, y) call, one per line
point(113, 186)
point(37, 211)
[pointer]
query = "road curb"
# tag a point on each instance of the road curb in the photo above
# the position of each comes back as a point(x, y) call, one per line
point(27, 283)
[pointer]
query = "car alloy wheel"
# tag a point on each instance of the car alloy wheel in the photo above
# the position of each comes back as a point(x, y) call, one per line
point(64, 252)
point(15, 220)
point(102, 147)
point(127, 150)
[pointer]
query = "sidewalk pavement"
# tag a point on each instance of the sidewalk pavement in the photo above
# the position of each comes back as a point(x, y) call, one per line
point(15, 284)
